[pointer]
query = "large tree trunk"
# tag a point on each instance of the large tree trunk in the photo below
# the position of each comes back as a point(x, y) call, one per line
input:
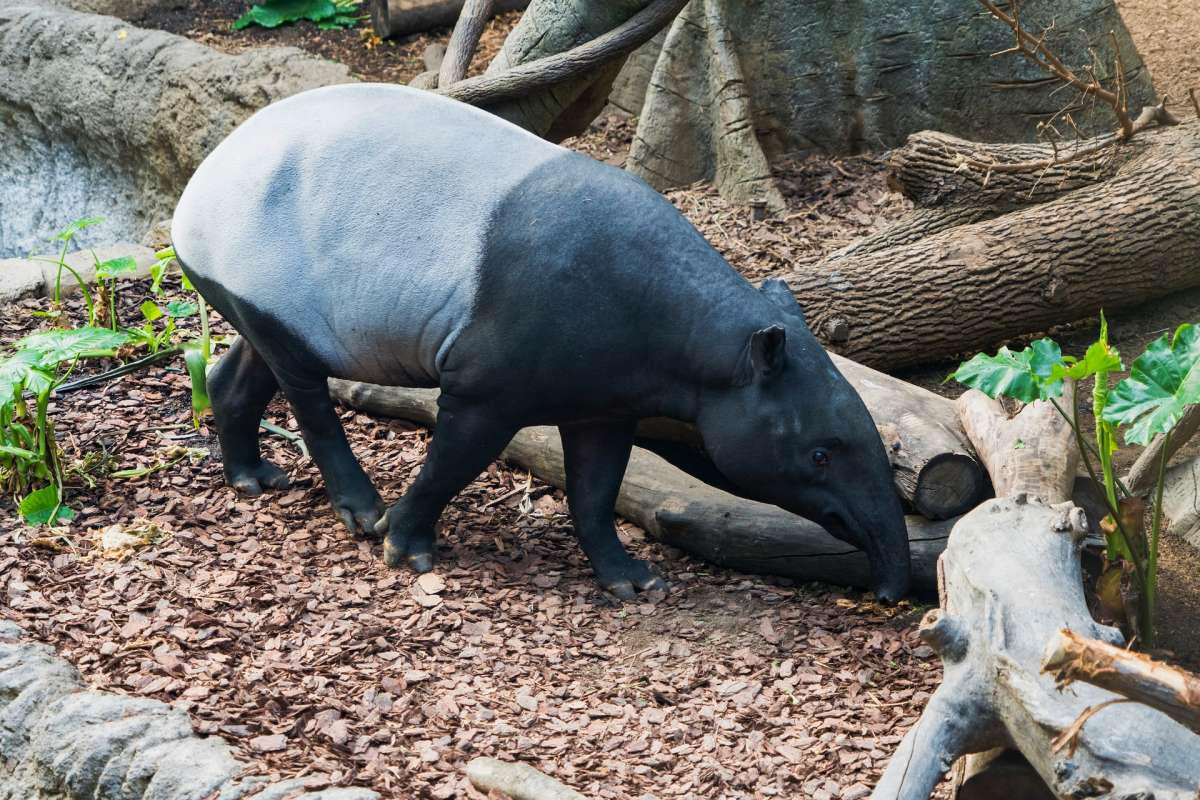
point(847, 76)
point(1120, 227)
point(1010, 580)
point(935, 471)
point(683, 512)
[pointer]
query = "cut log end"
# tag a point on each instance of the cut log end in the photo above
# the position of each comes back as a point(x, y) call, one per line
point(948, 484)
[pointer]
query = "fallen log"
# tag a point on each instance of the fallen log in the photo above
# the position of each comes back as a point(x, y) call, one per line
point(392, 18)
point(1131, 235)
point(1010, 580)
point(684, 512)
point(1171, 690)
point(934, 468)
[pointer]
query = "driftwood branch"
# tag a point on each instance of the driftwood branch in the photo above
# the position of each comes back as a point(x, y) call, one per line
point(562, 67)
point(1171, 690)
point(1011, 580)
point(682, 511)
point(464, 40)
point(516, 780)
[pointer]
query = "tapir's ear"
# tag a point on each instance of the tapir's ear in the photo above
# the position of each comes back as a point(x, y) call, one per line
point(764, 355)
point(778, 291)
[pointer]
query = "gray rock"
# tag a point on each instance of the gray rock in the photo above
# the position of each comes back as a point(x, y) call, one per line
point(103, 118)
point(19, 278)
point(59, 741)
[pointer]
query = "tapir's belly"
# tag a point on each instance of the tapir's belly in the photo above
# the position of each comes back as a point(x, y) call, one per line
point(354, 217)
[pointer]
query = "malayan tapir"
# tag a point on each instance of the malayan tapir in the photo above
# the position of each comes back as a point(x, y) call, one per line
point(386, 234)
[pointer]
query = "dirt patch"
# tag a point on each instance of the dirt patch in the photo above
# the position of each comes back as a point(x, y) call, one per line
point(1167, 34)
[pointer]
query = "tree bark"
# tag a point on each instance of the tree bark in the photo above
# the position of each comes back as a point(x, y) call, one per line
point(684, 512)
point(463, 41)
point(845, 76)
point(393, 18)
point(1010, 580)
point(1171, 690)
point(933, 466)
point(1122, 241)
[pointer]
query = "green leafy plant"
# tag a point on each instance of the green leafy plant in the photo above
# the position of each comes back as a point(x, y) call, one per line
point(197, 354)
point(63, 240)
point(1162, 382)
point(107, 273)
point(327, 14)
point(29, 454)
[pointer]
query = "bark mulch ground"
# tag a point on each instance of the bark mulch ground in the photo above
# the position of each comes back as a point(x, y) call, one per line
point(282, 634)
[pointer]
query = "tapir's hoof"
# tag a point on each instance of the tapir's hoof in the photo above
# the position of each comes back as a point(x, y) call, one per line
point(252, 480)
point(637, 576)
point(399, 548)
point(359, 512)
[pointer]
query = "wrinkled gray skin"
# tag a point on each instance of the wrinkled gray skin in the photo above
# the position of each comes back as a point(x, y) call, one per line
point(385, 234)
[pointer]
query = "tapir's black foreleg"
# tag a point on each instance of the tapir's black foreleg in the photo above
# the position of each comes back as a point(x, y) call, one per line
point(464, 442)
point(595, 457)
point(354, 499)
point(240, 387)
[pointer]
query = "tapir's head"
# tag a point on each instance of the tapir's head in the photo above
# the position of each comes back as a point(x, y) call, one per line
point(790, 430)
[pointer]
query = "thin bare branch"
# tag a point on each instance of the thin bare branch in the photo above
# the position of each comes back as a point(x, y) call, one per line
point(463, 41)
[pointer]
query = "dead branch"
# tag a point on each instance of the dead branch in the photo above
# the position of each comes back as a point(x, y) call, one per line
point(561, 67)
point(1136, 676)
point(464, 40)
point(1035, 50)
point(516, 780)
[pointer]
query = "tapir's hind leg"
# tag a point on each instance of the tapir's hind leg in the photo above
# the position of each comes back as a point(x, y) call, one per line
point(354, 499)
point(595, 456)
point(464, 442)
point(240, 387)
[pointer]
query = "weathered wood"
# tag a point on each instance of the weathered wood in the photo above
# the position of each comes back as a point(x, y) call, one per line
point(516, 780)
point(684, 512)
point(464, 40)
point(1171, 690)
point(1181, 501)
point(933, 466)
point(1125, 240)
point(392, 18)
point(1011, 579)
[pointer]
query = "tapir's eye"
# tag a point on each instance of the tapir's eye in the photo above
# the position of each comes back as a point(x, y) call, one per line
point(820, 457)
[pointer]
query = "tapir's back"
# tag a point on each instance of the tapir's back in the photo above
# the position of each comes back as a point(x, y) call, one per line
point(358, 214)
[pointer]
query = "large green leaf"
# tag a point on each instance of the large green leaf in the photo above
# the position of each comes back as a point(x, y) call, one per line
point(274, 13)
point(68, 233)
point(56, 346)
point(22, 371)
point(1162, 382)
point(1031, 374)
point(39, 507)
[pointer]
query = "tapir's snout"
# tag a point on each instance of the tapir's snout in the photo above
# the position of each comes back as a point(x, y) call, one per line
point(876, 526)
point(885, 540)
